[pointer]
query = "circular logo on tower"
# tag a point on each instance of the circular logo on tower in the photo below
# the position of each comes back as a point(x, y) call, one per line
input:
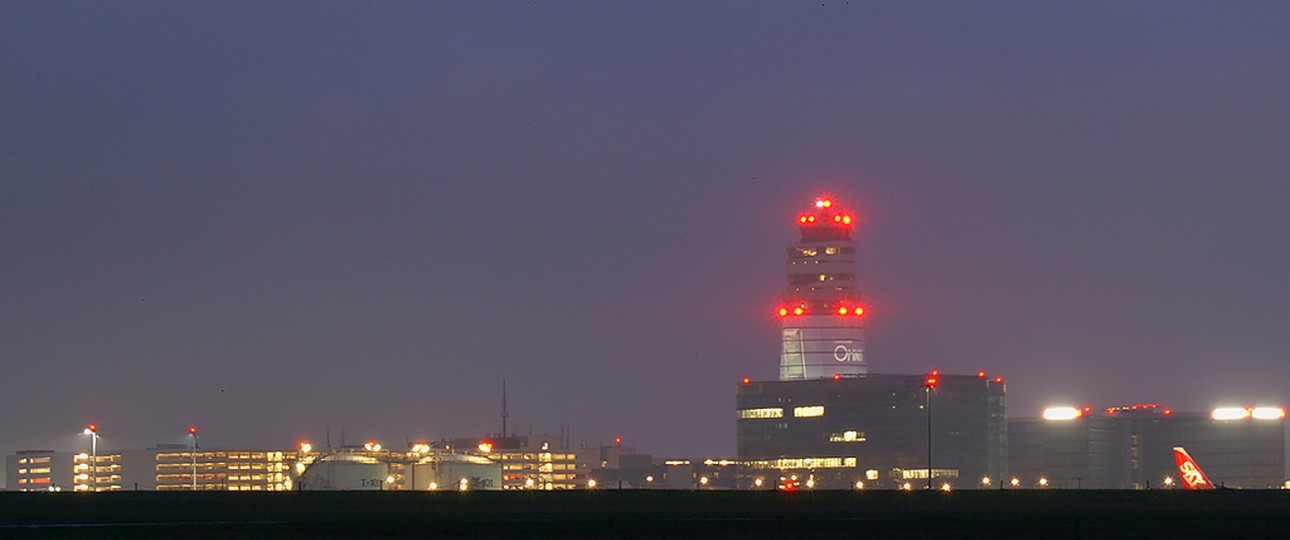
point(841, 353)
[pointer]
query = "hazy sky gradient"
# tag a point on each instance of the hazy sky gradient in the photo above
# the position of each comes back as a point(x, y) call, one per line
point(271, 219)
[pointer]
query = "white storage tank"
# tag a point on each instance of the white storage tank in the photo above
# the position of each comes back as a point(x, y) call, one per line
point(344, 472)
point(455, 471)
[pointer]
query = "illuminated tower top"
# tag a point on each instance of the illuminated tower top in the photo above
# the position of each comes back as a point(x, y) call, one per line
point(826, 222)
point(821, 314)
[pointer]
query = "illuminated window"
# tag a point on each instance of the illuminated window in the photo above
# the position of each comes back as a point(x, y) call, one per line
point(801, 252)
point(766, 412)
point(847, 436)
point(810, 411)
point(40, 470)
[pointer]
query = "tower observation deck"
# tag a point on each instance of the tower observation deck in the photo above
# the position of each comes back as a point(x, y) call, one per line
point(821, 315)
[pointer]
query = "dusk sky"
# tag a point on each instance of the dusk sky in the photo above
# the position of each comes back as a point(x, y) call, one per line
point(272, 219)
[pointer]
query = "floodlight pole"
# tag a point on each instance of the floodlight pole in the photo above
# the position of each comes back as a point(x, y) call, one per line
point(94, 459)
point(929, 436)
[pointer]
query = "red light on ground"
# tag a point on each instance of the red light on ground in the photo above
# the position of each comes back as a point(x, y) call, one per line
point(842, 311)
point(783, 312)
point(798, 311)
point(747, 380)
point(837, 376)
point(192, 430)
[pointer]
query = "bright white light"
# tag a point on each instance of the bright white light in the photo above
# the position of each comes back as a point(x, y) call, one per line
point(703, 480)
point(810, 483)
point(1062, 413)
point(1230, 413)
point(485, 447)
point(1043, 482)
point(87, 431)
point(591, 483)
point(528, 482)
point(463, 485)
point(433, 486)
point(650, 478)
point(985, 480)
point(1015, 482)
point(1169, 481)
point(907, 486)
point(306, 447)
point(758, 482)
point(945, 486)
point(859, 485)
point(819, 203)
point(1268, 413)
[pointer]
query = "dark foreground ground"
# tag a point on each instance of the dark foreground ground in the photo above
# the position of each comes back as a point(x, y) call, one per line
point(652, 514)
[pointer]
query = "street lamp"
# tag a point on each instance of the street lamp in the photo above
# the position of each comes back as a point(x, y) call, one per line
point(93, 431)
point(1015, 482)
point(192, 432)
point(932, 381)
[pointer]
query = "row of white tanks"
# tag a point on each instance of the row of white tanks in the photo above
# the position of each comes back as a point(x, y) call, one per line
point(355, 472)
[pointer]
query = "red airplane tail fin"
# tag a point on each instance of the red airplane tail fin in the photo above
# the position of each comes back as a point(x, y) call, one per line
point(1192, 476)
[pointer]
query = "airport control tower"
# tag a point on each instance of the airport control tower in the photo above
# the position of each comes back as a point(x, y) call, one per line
point(821, 315)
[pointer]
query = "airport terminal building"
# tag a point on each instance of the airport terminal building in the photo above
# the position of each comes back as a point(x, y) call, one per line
point(1131, 447)
point(872, 430)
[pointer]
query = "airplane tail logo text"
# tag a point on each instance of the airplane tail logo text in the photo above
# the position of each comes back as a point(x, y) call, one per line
point(1192, 476)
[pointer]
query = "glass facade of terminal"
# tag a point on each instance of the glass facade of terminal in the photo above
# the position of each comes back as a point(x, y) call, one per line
point(871, 429)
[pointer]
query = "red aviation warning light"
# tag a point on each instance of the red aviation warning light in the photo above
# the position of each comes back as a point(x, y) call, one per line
point(618, 441)
point(932, 381)
point(94, 428)
point(980, 374)
point(192, 430)
point(747, 380)
point(837, 376)
point(842, 310)
point(798, 310)
point(783, 312)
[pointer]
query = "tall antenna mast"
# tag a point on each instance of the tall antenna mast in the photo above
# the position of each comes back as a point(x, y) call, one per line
point(504, 413)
